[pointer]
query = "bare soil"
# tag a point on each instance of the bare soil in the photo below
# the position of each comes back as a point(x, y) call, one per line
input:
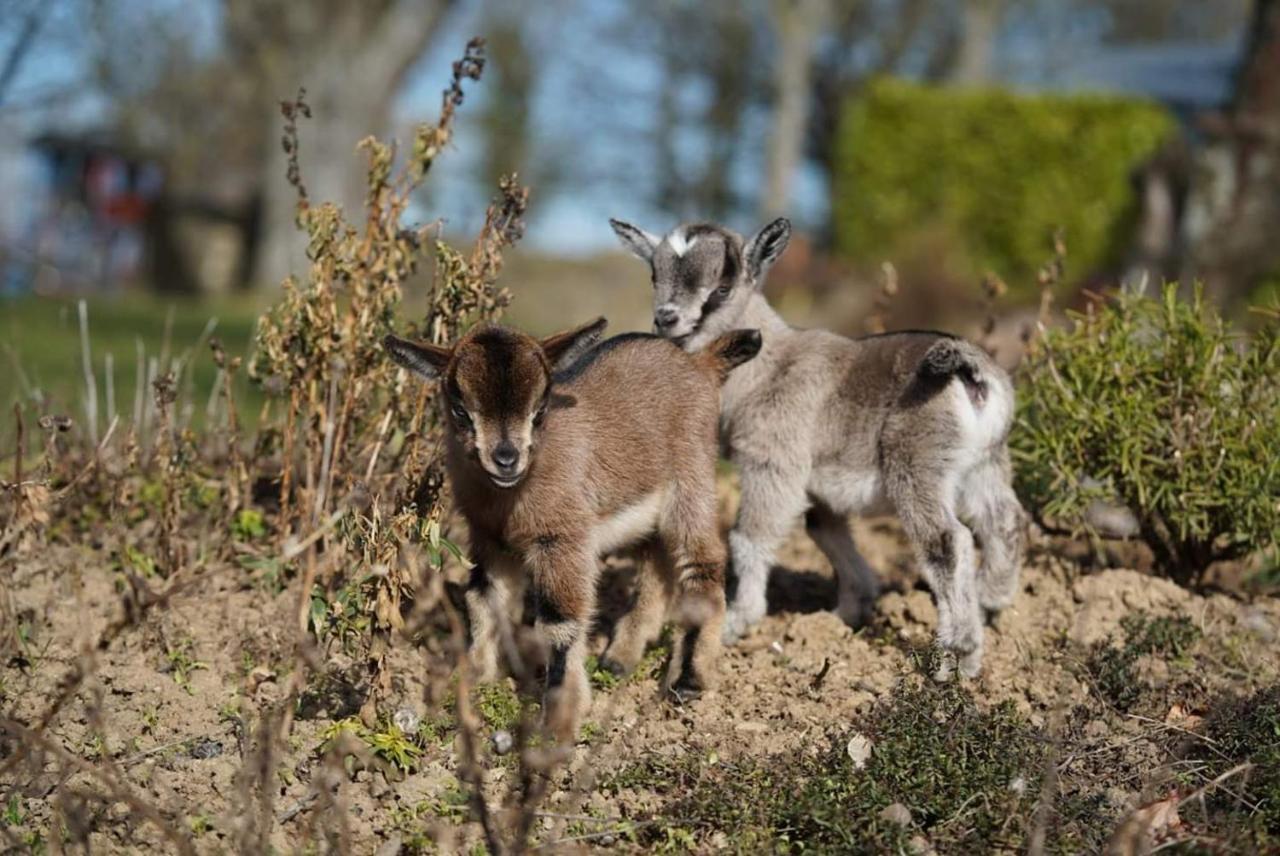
point(169, 708)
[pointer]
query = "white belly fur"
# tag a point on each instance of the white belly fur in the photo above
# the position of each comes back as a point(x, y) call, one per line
point(850, 492)
point(629, 525)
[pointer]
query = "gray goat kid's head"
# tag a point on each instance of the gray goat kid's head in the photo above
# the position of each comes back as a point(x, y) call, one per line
point(703, 275)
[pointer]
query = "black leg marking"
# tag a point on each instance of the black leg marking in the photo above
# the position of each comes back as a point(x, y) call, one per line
point(688, 686)
point(556, 666)
point(941, 551)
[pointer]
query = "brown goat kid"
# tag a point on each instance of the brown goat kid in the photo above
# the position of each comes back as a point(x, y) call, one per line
point(552, 469)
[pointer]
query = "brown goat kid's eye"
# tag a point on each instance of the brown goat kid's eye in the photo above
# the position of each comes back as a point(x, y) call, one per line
point(460, 413)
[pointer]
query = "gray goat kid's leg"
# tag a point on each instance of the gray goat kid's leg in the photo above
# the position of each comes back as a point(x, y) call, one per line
point(990, 507)
point(857, 585)
point(772, 498)
point(945, 548)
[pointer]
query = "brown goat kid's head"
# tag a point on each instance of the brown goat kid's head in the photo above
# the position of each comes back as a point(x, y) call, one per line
point(703, 275)
point(497, 386)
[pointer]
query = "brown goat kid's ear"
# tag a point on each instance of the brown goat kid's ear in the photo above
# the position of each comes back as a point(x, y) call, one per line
point(418, 357)
point(765, 248)
point(563, 349)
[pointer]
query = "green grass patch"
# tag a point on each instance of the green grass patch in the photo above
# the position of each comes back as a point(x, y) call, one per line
point(42, 358)
point(1112, 665)
point(1247, 805)
point(968, 777)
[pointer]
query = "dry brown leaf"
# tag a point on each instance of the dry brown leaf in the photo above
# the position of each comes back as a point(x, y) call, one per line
point(1145, 827)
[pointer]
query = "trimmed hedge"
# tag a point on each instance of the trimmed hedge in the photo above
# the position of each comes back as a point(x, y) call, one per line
point(995, 172)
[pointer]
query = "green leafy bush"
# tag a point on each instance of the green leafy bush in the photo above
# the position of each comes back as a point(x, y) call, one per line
point(992, 173)
point(1156, 404)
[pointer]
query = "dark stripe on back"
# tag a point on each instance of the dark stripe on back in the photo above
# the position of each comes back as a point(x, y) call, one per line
point(576, 369)
point(938, 333)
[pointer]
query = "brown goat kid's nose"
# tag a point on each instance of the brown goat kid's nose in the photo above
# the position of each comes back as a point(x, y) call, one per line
point(506, 455)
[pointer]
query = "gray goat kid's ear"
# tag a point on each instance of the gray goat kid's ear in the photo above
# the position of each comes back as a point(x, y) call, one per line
point(563, 349)
point(765, 248)
point(418, 357)
point(637, 240)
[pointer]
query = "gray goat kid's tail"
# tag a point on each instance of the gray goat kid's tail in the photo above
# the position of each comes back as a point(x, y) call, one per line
point(948, 358)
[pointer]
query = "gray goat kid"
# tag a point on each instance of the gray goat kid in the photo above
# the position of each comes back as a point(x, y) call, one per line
point(914, 422)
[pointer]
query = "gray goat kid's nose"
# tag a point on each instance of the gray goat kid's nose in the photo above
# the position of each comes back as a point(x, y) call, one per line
point(664, 316)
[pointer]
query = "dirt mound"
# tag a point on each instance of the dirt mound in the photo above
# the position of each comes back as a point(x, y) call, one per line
point(170, 705)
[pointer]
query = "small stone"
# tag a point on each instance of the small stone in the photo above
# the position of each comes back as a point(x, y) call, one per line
point(1018, 785)
point(776, 647)
point(406, 720)
point(896, 813)
point(1257, 623)
point(859, 750)
point(390, 847)
point(258, 676)
point(920, 846)
point(608, 839)
point(204, 749)
point(502, 742)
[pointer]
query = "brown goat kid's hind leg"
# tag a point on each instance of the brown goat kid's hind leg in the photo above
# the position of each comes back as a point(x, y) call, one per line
point(655, 587)
point(700, 618)
point(564, 580)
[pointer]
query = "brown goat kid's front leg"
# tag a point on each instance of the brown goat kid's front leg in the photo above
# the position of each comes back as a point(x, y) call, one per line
point(488, 598)
point(564, 581)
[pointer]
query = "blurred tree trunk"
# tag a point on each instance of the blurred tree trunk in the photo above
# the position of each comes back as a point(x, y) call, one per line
point(797, 23)
point(729, 74)
point(508, 97)
point(351, 58)
point(1233, 209)
point(979, 28)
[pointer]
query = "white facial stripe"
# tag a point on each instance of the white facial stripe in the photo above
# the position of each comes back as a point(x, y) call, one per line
point(678, 243)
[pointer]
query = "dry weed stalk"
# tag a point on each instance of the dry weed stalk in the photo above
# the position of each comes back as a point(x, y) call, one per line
point(877, 321)
point(1048, 278)
point(348, 444)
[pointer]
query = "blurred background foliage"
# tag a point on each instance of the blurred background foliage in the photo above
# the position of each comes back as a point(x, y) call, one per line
point(948, 137)
point(974, 181)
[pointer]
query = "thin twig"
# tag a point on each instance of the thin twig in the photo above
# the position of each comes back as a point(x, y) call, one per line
point(90, 382)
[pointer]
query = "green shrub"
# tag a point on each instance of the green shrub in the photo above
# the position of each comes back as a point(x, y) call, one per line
point(994, 172)
point(1158, 405)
